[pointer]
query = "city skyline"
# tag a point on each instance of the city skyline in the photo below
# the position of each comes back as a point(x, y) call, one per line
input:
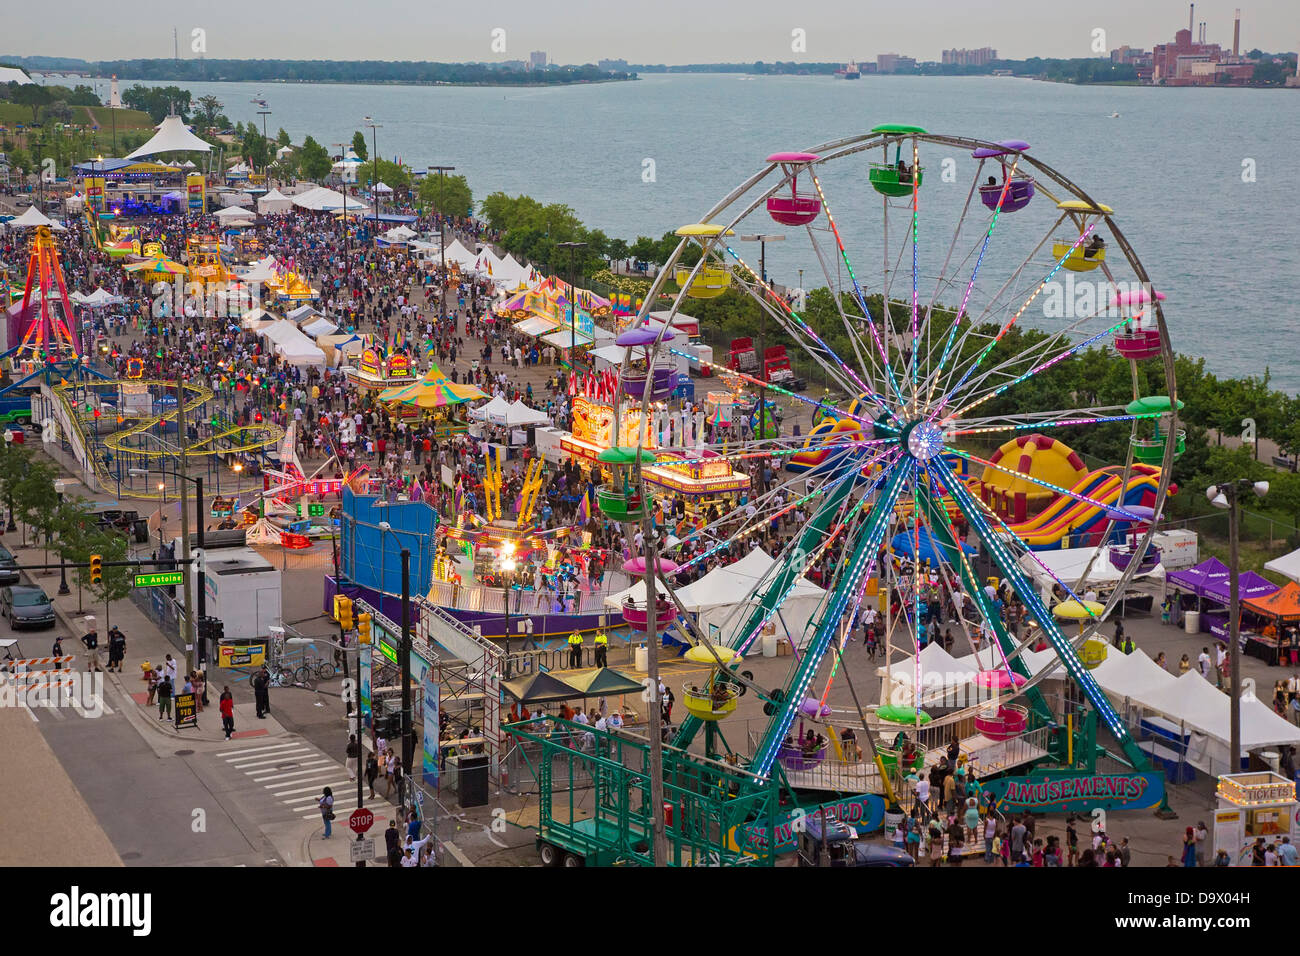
point(832, 31)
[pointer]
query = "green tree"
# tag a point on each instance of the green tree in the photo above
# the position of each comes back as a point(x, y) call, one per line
point(36, 501)
point(447, 195)
point(159, 101)
point(57, 111)
point(255, 150)
point(32, 96)
point(14, 462)
point(314, 160)
point(207, 110)
point(359, 146)
point(116, 583)
point(397, 177)
point(282, 138)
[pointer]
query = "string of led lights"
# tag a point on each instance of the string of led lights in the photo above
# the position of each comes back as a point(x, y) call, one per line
point(1108, 509)
point(943, 402)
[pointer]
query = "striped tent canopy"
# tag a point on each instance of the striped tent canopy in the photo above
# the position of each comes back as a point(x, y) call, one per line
point(158, 266)
point(433, 390)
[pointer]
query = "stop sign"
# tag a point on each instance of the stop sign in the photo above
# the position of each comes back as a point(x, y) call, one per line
point(361, 820)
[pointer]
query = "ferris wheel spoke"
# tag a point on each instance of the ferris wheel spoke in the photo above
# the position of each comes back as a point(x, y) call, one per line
point(983, 353)
point(858, 296)
point(1112, 510)
point(970, 286)
point(1039, 420)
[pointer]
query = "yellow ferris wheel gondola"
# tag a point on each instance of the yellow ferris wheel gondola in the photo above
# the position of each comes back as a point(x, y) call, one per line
point(1086, 255)
point(711, 280)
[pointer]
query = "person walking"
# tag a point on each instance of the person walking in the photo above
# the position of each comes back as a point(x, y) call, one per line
point(372, 773)
point(116, 649)
point(327, 811)
point(353, 754)
point(199, 683)
point(393, 844)
point(262, 692)
point(165, 698)
point(226, 705)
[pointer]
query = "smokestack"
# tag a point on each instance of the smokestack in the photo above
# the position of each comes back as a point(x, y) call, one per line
point(1236, 33)
point(1191, 21)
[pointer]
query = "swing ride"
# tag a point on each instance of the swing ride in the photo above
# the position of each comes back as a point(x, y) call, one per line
point(924, 370)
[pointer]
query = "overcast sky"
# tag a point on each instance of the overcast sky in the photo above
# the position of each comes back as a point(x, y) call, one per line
point(654, 31)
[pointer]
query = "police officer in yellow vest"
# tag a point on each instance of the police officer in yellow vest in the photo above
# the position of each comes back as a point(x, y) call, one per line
point(575, 649)
point(602, 648)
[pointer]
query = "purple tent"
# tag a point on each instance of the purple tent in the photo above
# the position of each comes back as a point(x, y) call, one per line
point(1194, 580)
point(1249, 586)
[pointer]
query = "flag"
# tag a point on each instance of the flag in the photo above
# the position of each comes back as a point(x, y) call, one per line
point(460, 495)
point(584, 508)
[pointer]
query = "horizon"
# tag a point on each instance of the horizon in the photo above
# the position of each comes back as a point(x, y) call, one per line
point(513, 30)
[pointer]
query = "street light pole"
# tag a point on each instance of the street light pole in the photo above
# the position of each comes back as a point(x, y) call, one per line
point(762, 241)
point(408, 744)
point(264, 113)
point(1227, 496)
point(442, 241)
point(343, 152)
point(573, 248)
point(374, 163)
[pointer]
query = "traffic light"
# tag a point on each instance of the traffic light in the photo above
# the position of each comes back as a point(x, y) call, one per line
point(96, 569)
point(363, 628)
point(343, 611)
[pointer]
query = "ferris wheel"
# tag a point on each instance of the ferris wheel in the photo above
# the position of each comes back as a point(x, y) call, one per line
point(949, 251)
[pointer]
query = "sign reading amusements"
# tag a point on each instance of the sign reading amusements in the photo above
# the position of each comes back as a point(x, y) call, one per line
point(1064, 791)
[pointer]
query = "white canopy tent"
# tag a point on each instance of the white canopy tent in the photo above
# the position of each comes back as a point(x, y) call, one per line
point(98, 299)
point(252, 318)
point(384, 189)
point(235, 199)
point(32, 218)
point(302, 312)
point(292, 345)
point(521, 416)
point(173, 136)
point(274, 203)
point(263, 270)
point(1069, 565)
point(509, 273)
point(321, 199)
point(461, 256)
point(534, 327)
point(232, 213)
point(318, 327)
point(608, 356)
point(1287, 565)
point(492, 411)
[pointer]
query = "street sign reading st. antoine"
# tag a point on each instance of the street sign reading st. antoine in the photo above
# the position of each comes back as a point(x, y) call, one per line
point(159, 579)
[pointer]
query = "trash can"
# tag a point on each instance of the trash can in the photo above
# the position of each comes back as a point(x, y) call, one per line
point(473, 780)
point(1192, 622)
point(642, 659)
point(769, 645)
point(1271, 758)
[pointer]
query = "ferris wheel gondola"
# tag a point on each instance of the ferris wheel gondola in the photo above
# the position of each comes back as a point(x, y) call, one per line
point(926, 377)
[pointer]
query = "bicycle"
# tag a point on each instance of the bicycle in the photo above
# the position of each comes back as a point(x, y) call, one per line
point(319, 668)
point(281, 676)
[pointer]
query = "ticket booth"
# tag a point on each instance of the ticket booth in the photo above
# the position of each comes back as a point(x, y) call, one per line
point(1253, 806)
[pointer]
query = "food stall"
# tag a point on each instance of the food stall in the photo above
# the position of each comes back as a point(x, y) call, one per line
point(1253, 806)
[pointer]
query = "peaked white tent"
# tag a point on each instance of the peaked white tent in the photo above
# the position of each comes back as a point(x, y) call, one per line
point(1069, 565)
point(173, 136)
point(383, 188)
point(263, 270)
point(509, 273)
point(236, 199)
point(723, 599)
point(274, 203)
point(520, 415)
point(461, 256)
point(492, 411)
point(98, 299)
point(1288, 565)
point(318, 327)
point(302, 312)
point(32, 218)
point(231, 213)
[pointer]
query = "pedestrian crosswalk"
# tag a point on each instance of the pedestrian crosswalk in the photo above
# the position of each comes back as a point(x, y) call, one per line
point(294, 773)
point(69, 708)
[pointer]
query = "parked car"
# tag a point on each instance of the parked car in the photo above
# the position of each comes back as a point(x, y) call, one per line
point(25, 605)
point(8, 567)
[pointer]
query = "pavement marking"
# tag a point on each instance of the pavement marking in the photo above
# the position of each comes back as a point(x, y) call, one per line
point(239, 734)
point(315, 772)
point(289, 793)
point(271, 760)
point(35, 719)
point(245, 751)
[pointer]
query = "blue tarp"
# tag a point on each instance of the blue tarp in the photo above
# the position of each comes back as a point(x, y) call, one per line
point(902, 546)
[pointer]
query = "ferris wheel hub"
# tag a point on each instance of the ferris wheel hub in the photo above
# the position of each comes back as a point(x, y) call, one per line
point(923, 439)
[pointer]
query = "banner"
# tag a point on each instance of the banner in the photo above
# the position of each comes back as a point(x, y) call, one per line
point(363, 698)
point(95, 193)
point(865, 812)
point(241, 655)
point(187, 710)
point(1063, 791)
point(431, 729)
point(197, 188)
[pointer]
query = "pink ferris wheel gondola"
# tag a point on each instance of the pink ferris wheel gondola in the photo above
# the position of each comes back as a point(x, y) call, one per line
point(794, 209)
point(1138, 340)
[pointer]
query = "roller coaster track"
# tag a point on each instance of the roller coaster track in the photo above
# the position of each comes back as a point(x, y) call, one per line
point(246, 437)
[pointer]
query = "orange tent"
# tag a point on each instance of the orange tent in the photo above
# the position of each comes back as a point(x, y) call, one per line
point(1283, 605)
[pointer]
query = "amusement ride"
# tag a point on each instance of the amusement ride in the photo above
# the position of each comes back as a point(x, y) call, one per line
point(885, 479)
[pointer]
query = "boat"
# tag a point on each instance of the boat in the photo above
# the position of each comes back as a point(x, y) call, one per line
point(851, 71)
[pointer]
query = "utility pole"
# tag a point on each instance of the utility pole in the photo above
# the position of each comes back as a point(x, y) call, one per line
point(374, 163)
point(573, 248)
point(201, 586)
point(442, 241)
point(343, 152)
point(762, 241)
point(187, 576)
point(408, 743)
point(655, 723)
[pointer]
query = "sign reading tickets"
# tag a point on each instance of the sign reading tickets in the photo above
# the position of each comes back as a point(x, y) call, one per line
point(241, 655)
point(1063, 791)
point(865, 812)
point(187, 710)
